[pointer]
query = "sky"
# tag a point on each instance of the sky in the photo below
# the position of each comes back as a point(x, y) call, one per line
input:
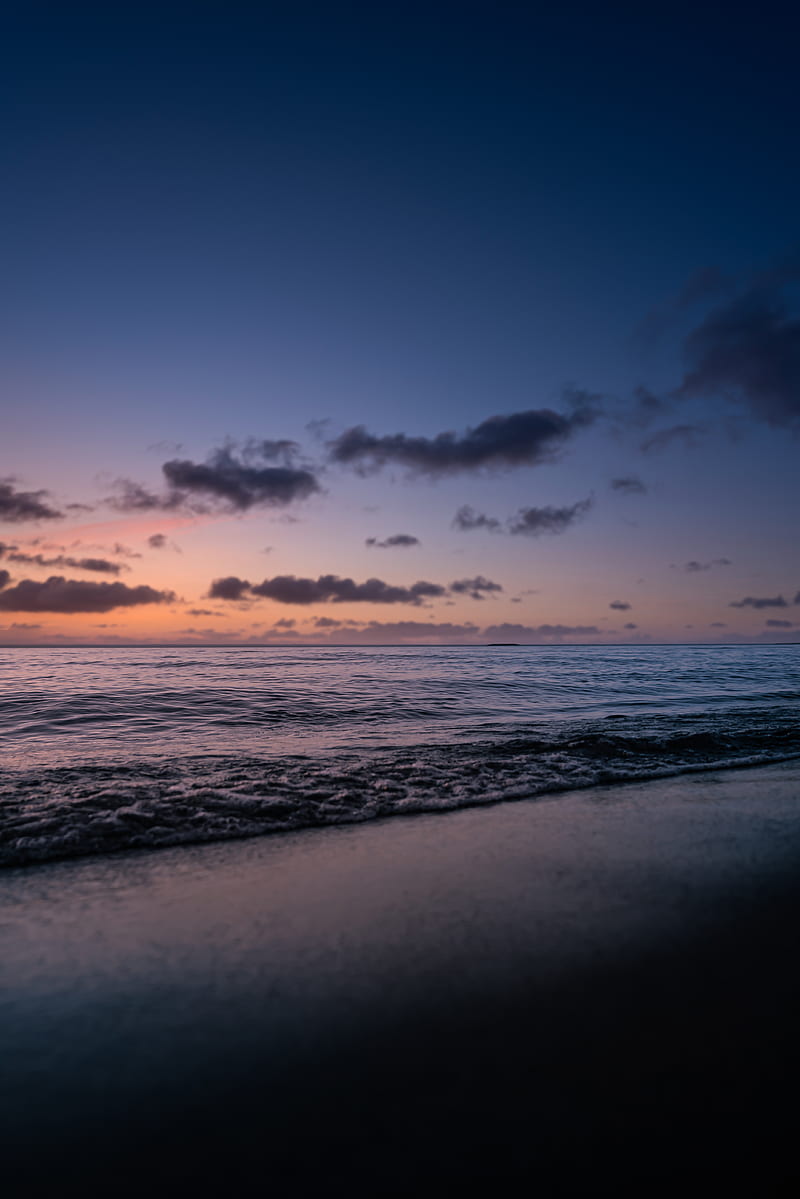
point(347, 323)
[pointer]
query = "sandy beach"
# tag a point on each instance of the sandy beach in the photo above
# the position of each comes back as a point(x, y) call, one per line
point(596, 990)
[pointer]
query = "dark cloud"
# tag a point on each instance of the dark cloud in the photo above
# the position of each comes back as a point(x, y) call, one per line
point(18, 506)
point(284, 624)
point(229, 588)
point(779, 624)
point(396, 541)
point(133, 497)
point(695, 567)
point(288, 589)
point(327, 622)
point(748, 349)
point(58, 594)
point(687, 435)
point(5, 578)
point(533, 522)
point(629, 485)
point(203, 612)
point(476, 588)
point(631, 625)
point(468, 519)
point(265, 474)
point(751, 601)
point(523, 632)
point(518, 439)
point(619, 605)
point(62, 561)
point(797, 598)
point(527, 522)
point(157, 541)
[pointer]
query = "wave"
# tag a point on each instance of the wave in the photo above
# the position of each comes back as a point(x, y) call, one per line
point(107, 807)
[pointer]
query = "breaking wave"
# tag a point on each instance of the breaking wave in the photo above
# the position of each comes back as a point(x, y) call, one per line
point(50, 812)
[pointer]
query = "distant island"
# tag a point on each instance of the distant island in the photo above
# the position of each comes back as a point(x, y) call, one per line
point(504, 643)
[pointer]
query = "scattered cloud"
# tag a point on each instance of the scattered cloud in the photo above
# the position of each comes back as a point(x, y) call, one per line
point(58, 594)
point(533, 522)
point(18, 506)
point(526, 522)
point(477, 588)
point(396, 541)
point(694, 567)
point(752, 601)
point(628, 485)
point(519, 439)
point(779, 624)
point(631, 625)
point(62, 561)
point(542, 632)
point(229, 588)
point(5, 578)
point(747, 349)
point(288, 589)
point(718, 624)
point(619, 605)
point(468, 519)
point(204, 612)
point(157, 541)
point(264, 474)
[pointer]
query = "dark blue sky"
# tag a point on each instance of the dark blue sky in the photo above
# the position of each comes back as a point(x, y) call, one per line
point(226, 224)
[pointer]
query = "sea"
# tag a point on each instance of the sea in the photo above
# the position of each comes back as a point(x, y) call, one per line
point(104, 750)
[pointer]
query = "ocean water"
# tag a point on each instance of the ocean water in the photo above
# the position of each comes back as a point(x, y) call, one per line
point(110, 749)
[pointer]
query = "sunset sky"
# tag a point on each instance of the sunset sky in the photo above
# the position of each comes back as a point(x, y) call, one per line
point(399, 323)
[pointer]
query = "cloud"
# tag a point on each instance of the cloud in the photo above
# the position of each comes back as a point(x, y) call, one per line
point(5, 578)
point(468, 519)
point(631, 625)
point(694, 567)
point(476, 588)
point(284, 624)
point(628, 485)
point(533, 522)
point(97, 565)
point(522, 632)
point(779, 624)
point(751, 601)
point(17, 506)
point(327, 622)
point(265, 474)
point(203, 612)
point(157, 541)
point(527, 522)
point(288, 589)
point(688, 435)
point(229, 588)
point(396, 541)
point(718, 624)
point(619, 605)
point(58, 594)
point(747, 349)
point(518, 439)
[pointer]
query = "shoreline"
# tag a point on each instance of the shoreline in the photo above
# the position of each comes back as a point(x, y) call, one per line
point(577, 990)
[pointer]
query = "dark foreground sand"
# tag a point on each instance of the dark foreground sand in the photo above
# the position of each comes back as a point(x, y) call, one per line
point(590, 994)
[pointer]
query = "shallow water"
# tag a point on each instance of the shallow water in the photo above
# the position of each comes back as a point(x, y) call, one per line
point(109, 749)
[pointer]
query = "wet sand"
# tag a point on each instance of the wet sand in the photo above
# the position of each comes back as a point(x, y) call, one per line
point(591, 992)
